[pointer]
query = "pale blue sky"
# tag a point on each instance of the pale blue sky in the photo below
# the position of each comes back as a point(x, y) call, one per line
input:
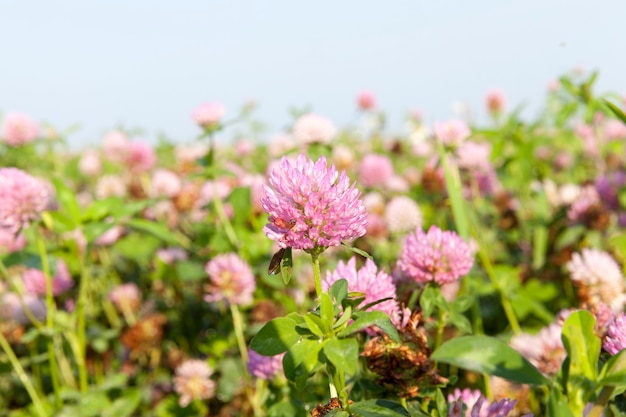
point(149, 63)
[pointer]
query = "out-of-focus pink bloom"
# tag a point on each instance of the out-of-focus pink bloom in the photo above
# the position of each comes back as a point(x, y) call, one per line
point(193, 381)
point(474, 156)
point(544, 350)
point(171, 255)
point(9, 242)
point(599, 277)
point(22, 198)
point(495, 101)
point(397, 184)
point(588, 197)
point(208, 114)
point(256, 184)
point(374, 202)
point(312, 128)
point(110, 186)
point(615, 339)
point(244, 147)
point(614, 130)
point(280, 144)
point(403, 214)
point(126, 297)
point(141, 157)
point(18, 129)
point(375, 284)
point(465, 397)
point(477, 405)
point(264, 367)
point(366, 100)
point(210, 190)
point(165, 183)
point(189, 154)
point(376, 226)
point(375, 170)
point(343, 157)
point(35, 280)
point(312, 206)
point(110, 236)
point(116, 146)
point(10, 307)
point(553, 86)
point(232, 280)
point(588, 136)
point(453, 132)
point(436, 256)
point(90, 163)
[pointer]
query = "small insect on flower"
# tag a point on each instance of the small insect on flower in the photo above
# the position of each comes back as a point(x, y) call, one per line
point(284, 224)
point(274, 267)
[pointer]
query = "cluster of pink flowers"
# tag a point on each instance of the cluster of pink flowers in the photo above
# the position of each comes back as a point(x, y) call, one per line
point(312, 206)
point(436, 256)
point(193, 381)
point(375, 170)
point(232, 280)
point(615, 338)
point(375, 284)
point(477, 405)
point(264, 367)
point(366, 100)
point(19, 129)
point(452, 133)
point(22, 198)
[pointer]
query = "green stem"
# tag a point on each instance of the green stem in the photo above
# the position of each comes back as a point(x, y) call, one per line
point(81, 355)
point(223, 218)
point(440, 328)
point(15, 288)
point(50, 312)
point(316, 274)
point(37, 403)
point(599, 404)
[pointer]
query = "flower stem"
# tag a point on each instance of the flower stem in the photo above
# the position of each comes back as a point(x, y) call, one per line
point(50, 310)
point(316, 274)
point(223, 218)
point(81, 324)
point(37, 403)
point(29, 314)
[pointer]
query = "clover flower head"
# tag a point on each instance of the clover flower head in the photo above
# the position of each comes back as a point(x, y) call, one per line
point(375, 170)
point(311, 206)
point(18, 129)
point(264, 367)
point(193, 381)
point(232, 280)
point(208, 114)
point(22, 198)
point(435, 256)
point(615, 339)
point(312, 128)
point(375, 284)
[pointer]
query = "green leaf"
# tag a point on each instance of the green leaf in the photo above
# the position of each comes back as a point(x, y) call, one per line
point(286, 264)
point(365, 319)
point(616, 110)
point(124, 406)
point(557, 405)
point(327, 312)
point(357, 251)
point(302, 359)
point(277, 336)
point(461, 322)
point(190, 271)
point(314, 323)
point(157, 230)
point(343, 353)
point(455, 193)
point(93, 231)
point(67, 201)
point(489, 356)
point(613, 372)
point(347, 315)
point(378, 408)
point(240, 200)
point(339, 291)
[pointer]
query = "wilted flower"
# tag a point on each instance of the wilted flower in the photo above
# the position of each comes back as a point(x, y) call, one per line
point(311, 206)
point(232, 280)
point(264, 367)
point(544, 350)
point(403, 214)
point(19, 129)
point(598, 277)
point(126, 297)
point(312, 128)
point(453, 132)
point(22, 198)
point(375, 170)
point(366, 100)
point(165, 183)
point(208, 114)
point(193, 381)
point(376, 285)
point(436, 256)
point(615, 339)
